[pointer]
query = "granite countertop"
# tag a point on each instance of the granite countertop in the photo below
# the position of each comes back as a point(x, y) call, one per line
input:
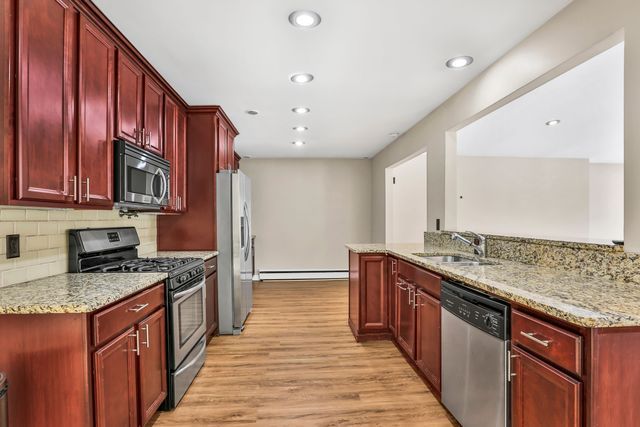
point(73, 292)
point(567, 295)
point(205, 255)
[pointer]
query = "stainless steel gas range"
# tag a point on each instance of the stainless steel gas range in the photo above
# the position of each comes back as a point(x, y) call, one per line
point(112, 250)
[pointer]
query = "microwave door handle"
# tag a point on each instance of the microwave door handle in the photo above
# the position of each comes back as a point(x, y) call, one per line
point(164, 186)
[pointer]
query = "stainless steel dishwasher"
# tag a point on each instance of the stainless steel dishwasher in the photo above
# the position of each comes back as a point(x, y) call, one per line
point(475, 345)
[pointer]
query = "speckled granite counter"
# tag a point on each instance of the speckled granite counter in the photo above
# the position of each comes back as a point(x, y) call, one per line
point(581, 300)
point(73, 292)
point(205, 255)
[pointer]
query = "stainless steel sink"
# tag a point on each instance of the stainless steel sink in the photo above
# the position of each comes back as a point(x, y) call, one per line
point(455, 260)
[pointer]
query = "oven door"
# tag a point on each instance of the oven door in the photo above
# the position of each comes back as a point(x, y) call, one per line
point(145, 183)
point(188, 323)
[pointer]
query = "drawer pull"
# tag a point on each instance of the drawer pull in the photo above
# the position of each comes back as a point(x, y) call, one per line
point(137, 337)
point(533, 338)
point(138, 307)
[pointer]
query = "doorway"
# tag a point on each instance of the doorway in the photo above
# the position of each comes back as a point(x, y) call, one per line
point(406, 200)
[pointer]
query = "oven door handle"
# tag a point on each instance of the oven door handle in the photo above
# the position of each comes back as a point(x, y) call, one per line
point(188, 292)
point(193, 362)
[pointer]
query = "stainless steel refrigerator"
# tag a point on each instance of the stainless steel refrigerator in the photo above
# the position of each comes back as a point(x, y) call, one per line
point(235, 275)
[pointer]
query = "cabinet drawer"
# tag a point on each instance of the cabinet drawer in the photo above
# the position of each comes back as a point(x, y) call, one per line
point(107, 323)
point(422, 278)
point(554, 344)
point(211, 266)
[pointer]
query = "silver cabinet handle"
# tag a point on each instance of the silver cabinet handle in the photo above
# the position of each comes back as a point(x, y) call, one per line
point(394, 267)
point(146, 331)
point(410, 290)
point(136, 132)
point(137, 349)
point(138, 307)
point(88, 191)
point(532, 337)
point(400, 283)
point(74, 180)
point(510, 357)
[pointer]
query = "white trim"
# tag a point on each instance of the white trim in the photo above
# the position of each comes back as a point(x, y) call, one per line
point(303, 274)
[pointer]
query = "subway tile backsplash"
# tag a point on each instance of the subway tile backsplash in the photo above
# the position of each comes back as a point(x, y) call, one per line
point(43, 238)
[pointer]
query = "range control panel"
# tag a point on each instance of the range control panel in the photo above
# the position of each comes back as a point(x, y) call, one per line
point(483, 312)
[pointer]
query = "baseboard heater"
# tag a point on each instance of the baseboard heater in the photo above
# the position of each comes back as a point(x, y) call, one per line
point(302, 274)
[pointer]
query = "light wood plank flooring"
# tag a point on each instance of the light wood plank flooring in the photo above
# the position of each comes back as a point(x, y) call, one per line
point(297, 364)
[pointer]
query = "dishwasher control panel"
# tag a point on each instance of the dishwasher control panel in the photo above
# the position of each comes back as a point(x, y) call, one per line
point(481, 311)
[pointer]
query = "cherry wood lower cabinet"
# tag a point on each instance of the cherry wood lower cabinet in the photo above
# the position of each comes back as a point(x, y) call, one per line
point(542, 396)
point(428, 337)
point(68, 369)
point(392, 271)
point(368, 295)
point(406, 334)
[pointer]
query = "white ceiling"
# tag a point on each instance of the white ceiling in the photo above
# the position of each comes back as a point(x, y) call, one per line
point(378, 64)
point(589, 101)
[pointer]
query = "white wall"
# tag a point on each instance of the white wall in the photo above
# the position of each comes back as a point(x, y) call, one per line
point(407, 201)
point(524, 196)
point(305, 210)
point(606, 201)
point(563, 42)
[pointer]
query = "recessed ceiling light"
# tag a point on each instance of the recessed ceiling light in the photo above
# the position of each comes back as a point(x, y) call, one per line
point(304, 19)
point(252, 112)
point(459, 62)
point(298, 143)
point(300, 128)
point(301, 78)
point(555, 122)
point(394, 134)
point(300, 110)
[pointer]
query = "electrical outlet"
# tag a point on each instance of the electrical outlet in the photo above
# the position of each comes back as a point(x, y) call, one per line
point(13, 246)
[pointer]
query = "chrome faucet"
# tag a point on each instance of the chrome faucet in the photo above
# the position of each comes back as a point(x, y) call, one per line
point(479, 243)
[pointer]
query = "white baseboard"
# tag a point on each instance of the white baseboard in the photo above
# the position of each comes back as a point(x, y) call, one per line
point(303, 274)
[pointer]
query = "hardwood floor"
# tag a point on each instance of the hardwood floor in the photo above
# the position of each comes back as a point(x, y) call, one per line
point(297, 364)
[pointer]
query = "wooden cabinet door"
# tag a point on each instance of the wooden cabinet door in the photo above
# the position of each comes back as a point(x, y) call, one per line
point(373, 293)
point(129, 100)
point(212, 303)
point(542, 396)
point(46, 144)
point(181, 160)
point(406, 318)
point(96, 80)
point(153, 113)
point(223, 156)
point(115, 376)
point(171, 149)
point(231, 155)
point(392, 270)
point(428, 337)
point(152, 368)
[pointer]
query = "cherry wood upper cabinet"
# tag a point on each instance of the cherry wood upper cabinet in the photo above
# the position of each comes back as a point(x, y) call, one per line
point(175, 151)
point(541, 395)
point(45, 137)
point(96, 81)
point(181, 160)
point(153, 115)
point(170, 148)
point(152, 365)
point(115, 375)
point(428, 337)
point(223, 146)
point(129, 100)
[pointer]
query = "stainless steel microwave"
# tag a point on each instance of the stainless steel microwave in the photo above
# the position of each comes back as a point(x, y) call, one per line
point(141, 178)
